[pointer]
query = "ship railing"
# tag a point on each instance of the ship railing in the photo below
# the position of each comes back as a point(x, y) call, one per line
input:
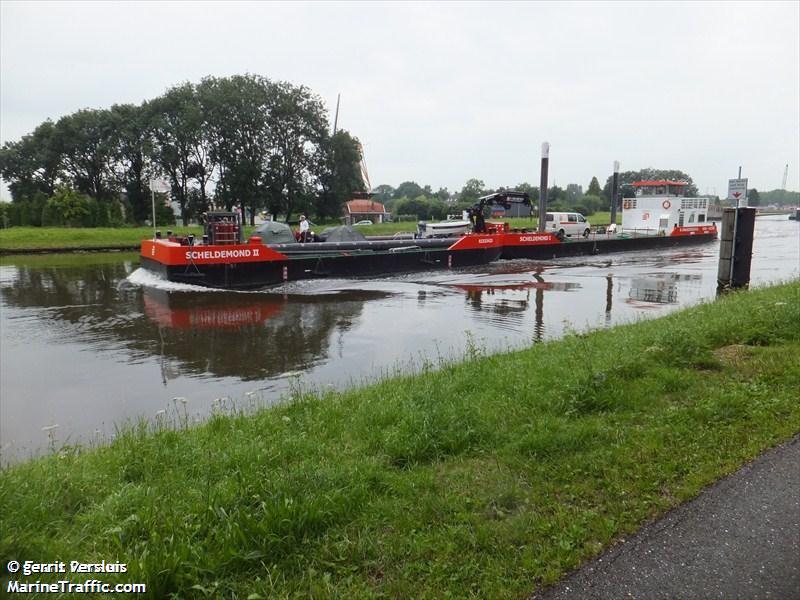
point(606, 233)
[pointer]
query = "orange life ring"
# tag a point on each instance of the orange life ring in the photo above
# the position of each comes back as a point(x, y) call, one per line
point(666, 204)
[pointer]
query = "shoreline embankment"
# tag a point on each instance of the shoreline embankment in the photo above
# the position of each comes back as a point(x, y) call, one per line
point(490, 477)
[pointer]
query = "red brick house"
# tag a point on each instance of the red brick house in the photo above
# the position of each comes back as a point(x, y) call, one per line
point(361, 209)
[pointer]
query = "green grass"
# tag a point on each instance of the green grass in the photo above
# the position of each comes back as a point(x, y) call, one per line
point(487, 478)
point(58, 238)
point(33, 238)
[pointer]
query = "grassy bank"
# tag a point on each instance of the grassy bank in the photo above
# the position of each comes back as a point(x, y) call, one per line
point(487, 478)
point(39, 238)
point(36, 239)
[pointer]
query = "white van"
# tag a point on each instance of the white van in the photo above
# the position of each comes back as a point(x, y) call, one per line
point(567, 224)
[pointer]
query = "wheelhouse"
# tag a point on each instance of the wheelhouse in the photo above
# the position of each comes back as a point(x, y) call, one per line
point(659, 207)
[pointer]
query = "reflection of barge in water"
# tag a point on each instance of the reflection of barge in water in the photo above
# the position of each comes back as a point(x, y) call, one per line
point(659, 217)
point(175, 312)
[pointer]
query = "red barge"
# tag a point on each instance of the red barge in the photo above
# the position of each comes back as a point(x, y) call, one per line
point(658, 217)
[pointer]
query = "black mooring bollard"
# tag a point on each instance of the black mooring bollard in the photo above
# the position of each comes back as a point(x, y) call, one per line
point(735, 248)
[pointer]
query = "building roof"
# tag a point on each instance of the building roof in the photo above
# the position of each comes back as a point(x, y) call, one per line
point(365, 206)
point(659, 182)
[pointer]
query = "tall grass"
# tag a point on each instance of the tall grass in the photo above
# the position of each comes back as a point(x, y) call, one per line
point(485, 478)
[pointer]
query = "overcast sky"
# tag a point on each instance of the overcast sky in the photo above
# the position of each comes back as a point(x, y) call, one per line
point(442, 92)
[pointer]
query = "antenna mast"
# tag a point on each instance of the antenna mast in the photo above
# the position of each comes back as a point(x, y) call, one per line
point(336, 118)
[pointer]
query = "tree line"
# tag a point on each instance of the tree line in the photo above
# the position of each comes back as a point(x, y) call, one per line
point(411, 198)
point(241, 141)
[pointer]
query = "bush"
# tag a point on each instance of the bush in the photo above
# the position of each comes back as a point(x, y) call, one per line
point(116, 218)
point(51, 216)
point(583, 210)
point(594, 204)
point(423, 207)
point(67, 207)
point(5, 215)
point(26, 212)
point(164, 215)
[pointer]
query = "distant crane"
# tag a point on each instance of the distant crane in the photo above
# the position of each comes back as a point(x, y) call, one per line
point(785, 175)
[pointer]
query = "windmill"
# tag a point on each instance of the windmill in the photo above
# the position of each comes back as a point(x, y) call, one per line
point(363, 165)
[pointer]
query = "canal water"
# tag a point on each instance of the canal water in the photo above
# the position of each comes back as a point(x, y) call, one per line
point(91, 341)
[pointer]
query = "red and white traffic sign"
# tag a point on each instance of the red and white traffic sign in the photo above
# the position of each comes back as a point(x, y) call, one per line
point(737, 189)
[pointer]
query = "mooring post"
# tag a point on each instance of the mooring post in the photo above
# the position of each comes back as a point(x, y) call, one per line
point(735, 248)
point(543, 186)
point(614, 192)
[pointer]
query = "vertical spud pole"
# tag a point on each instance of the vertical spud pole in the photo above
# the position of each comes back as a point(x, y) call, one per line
point(543, 186)
point(614, 192)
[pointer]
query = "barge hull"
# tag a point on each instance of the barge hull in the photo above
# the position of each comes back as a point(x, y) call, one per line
point(591, 247)
point(251, 275)
point(251, 266)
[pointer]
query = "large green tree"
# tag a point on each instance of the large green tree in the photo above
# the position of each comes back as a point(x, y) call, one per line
point(384, 193)
point(259, 143)
point(409, 189)
point(297, 130)
point(340, 175)
point(84, 140)
point(531, 190)
point(176, 121)
point(472, 190)
point(236, 111)
point(31, 165)
point(594, 188)
point(574, 193)
point(132, 147)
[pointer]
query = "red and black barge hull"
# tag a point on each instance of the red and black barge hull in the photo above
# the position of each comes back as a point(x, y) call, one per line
point(254, 265)
point(543, 246)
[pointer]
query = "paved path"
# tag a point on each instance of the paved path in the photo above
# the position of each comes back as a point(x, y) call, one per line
point(739, 539)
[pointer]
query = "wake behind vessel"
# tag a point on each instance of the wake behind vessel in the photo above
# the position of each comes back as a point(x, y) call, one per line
point(659, 216)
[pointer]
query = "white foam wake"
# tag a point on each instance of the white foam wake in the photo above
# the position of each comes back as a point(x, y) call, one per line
point(142, 277)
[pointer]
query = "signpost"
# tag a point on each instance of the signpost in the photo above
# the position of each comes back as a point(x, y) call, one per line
point(736, 240)
point(737, 190)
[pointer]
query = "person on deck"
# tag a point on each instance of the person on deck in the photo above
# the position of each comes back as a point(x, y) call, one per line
point(478, 221)
point(303, 229)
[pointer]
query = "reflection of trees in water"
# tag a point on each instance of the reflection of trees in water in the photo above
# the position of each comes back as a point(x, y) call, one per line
point(271, 335)
point(249, 336)
point(45, 287)
point(82, 301)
